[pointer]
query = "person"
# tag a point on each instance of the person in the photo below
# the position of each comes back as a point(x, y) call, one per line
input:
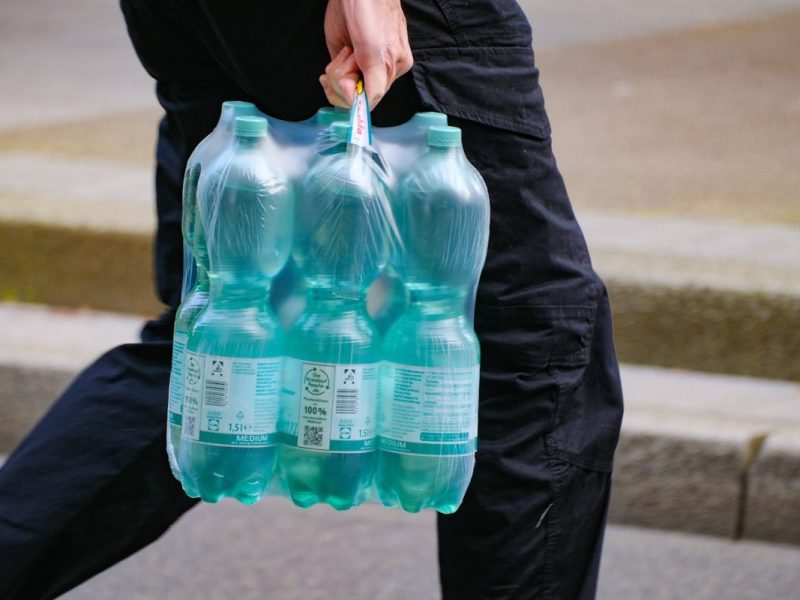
point(91, 485)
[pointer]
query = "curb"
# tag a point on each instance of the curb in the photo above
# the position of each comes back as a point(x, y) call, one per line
point(679, 325)
point(709, 454)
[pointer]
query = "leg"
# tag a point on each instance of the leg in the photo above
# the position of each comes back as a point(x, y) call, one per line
point(532, 522)
point(90, 484)
point(531, 525)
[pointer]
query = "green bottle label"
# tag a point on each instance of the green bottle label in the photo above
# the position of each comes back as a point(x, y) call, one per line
point(428, 410)
point(175, 409)
point(329, 407)
point(230, 401)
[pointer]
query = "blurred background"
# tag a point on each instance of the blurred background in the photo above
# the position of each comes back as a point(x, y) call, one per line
point(677, 128)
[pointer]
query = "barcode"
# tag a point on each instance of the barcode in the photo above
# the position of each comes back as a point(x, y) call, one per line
point(216, 393)
point(188, 425)
point(312, 436)
point(346, 402)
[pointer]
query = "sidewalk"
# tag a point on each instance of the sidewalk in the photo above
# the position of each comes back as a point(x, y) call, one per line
point(276, 551)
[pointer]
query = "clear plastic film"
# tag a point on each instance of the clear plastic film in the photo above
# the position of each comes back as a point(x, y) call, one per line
point(324, 348)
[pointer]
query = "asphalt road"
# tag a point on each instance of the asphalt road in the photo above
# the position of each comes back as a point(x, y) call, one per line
point(277, 552)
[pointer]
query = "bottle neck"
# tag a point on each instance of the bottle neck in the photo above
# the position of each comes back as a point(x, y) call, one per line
point(202, 283)
point(245, 142)
point(449, 151)
point(337, 148)
point(326, 298)
point(227, 293)
point(433, 302)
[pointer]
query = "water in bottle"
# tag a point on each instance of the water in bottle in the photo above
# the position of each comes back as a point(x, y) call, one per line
point(234, 353)
point(195, 281)
point(427, 414)
point(188, 313)
point(387, 296)
point(333, 350)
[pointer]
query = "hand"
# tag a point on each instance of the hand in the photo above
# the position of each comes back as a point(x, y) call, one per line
point(366, 37)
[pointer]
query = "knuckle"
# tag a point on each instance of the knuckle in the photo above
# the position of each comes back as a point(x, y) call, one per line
point(404, 63)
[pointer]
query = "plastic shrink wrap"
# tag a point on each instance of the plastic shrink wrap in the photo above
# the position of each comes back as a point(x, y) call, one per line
point(324, 348)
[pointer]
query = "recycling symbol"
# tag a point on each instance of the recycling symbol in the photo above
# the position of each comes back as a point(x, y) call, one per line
point(217, 368)
point(316, 381)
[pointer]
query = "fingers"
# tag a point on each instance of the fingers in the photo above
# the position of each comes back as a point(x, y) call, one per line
point(341, 78)
point(378, 76)
point(381, 67)
point(379, 72)
point(377, 31)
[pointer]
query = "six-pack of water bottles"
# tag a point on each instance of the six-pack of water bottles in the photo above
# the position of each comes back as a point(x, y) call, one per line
point(324, 349)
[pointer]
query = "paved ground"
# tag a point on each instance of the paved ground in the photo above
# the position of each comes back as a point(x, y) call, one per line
point(67, 61)
point(658, 108)
point(702, 122)
point(570, 22)
point(278, 552)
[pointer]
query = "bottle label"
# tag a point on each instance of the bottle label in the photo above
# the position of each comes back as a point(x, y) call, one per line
point(427, 410)
point(175, 409)
point(329, 406)
point(230, 401)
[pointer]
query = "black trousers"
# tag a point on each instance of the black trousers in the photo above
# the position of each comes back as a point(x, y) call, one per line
point(91, 485)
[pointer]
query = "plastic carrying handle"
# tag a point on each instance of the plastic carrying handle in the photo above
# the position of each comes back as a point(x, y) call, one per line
point(360, 122)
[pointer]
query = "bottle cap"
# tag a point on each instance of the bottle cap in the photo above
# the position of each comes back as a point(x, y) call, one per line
point(250, 126)
point(430, 119)
point(330, 114)
point(444, 137)
point(240, 108)
point(340, 131)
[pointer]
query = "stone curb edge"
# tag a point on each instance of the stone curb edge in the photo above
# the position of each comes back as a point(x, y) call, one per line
point(723, 331)
point(684, 476)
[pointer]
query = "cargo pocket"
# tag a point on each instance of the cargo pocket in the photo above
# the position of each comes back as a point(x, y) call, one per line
point(505, 529)
point(492, 85)
point(473, 59)
point(525, 353)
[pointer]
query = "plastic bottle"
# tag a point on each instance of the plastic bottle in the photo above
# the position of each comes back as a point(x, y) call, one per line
point(404, 142)
point(327, 115)
point(188, 313)
point(288, 295)
point(387, 296)
point(208, 150)
point(195, 282)
point(427, 415)
point(333, 350)
point(234, 355)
